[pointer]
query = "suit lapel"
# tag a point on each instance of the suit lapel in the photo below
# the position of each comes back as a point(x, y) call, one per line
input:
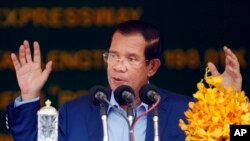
point(150, 128)
point(94, 122)
point(163, 118)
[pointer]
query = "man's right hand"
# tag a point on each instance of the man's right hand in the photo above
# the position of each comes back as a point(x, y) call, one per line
point(30, 76)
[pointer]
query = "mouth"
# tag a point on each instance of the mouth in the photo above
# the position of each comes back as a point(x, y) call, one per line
point(118, 81)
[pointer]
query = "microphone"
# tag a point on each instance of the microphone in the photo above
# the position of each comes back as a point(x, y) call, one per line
point(149, 94)
point(124, 95)
point(98, 96)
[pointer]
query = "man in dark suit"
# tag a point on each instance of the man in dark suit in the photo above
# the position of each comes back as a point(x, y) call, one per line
point(133, 57)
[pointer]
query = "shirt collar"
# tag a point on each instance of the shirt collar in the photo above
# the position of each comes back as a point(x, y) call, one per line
point(113, 102)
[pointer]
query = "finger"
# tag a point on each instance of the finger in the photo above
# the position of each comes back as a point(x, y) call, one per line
point(232, 64)
point(232, 61)
point(213, 69)
point(22, 55)
point(47, 70)
point(27, 51)
point(15, 62)
point(233, 69)
point(228, 52)
point(37, 54)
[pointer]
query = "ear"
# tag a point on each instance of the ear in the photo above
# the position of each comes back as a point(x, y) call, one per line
point(153, 66)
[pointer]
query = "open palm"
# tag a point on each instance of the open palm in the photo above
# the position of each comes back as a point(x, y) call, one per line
point(231, 75)
point(30, 75)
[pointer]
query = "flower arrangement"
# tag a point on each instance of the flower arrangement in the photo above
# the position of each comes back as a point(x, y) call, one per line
point(216, 108)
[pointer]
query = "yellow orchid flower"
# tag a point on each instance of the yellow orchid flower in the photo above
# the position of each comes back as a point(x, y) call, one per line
point(216, 108)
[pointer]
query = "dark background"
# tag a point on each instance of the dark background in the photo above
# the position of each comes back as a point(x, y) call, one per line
point(193, 24)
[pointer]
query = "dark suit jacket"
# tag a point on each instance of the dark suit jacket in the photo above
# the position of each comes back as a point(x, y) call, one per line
point(79, 120)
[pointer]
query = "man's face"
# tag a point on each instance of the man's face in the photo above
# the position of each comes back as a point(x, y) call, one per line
point(129, 49)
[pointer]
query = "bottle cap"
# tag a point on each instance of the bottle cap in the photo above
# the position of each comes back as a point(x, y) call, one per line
point(47, 109)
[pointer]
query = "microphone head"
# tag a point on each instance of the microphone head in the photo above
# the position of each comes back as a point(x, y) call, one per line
point(147, 93)
point(124, 94)
point(97, 94)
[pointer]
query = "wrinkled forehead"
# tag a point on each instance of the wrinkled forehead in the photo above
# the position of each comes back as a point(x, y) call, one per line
point(129, 33)
point(132, 44)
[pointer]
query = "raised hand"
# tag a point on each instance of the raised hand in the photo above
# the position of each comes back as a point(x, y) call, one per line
point(30, 75)
point(231, 75)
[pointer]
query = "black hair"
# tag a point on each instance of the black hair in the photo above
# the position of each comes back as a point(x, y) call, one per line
point(149, 32)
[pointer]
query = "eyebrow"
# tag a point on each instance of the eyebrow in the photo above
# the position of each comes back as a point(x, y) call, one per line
point(110, 51)
point(129, 55)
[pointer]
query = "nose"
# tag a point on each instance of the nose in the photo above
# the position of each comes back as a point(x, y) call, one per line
point(120, 66)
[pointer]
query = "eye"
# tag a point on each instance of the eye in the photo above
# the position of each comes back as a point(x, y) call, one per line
point(132, 59)
point(113, 56)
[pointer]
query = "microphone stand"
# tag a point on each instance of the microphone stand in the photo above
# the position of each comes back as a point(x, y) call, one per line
point(130, 115)
point(156, 124)
point(103, 113)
